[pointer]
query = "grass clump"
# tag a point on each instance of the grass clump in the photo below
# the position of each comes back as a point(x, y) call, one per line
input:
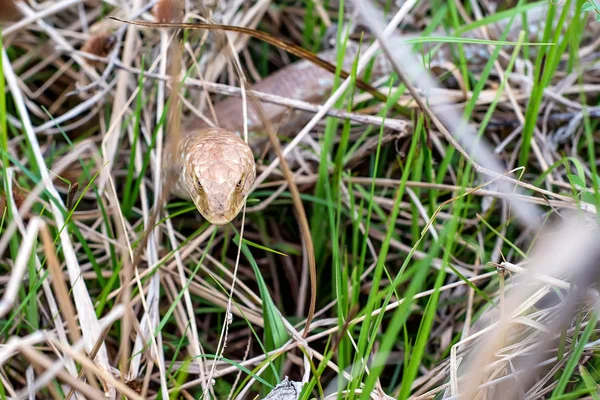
point(428, 282)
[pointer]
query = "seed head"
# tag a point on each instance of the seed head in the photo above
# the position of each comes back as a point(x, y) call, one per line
point(99, 45)
point(8, 11)
point(168, 11)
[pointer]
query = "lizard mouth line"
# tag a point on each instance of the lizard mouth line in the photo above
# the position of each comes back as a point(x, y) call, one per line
point(218, 220)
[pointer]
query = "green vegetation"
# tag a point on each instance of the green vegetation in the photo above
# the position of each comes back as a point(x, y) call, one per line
point(423, 265)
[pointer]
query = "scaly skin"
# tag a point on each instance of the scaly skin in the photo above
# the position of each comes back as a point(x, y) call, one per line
point(211, 161)
point(217, 159)
point(217, 170)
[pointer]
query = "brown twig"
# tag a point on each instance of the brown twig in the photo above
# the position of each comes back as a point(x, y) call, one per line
point(303, 220)
point(285, 45)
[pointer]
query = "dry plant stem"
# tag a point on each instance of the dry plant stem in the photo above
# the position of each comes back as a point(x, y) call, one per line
point(45, 12)
point(168, 282)
point(291, 345)
point(565, 201)
point(370, 52)
point(173, 122)
point(225, 329)
point(27, 235)
point(92, 355)
point(422, 104)
point(195, 345)
point(144, 331)
point(161, 192)
point(571, 244)
point(248, 18)
point(33, 195)
point(87, 364)
point(44, 361)
point(288, 46)
point(95, 349)
point(120, 222)
point(50, 373)
point(55, 35)
point(302, 219)
point(50, 127)
point(109, 143)
point(205, 92)
point(12, 288)
point(109, 148)
point(478, 154)
point(501, 273)
point(542, 278)
point(239, 375)
point(510, 93)
point(322, 13)
point(219, 88)
point(529, 302)
point(62, 292)
point(84, 305)
point(7, 385)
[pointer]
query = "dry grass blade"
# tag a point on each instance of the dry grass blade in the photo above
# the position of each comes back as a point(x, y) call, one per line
point(422, 249)
point(56, 369)
point(395, 124)
point(411, 73)
point(553, 256)
point(302, 219)
point(172, 143)
point(62, 292)
point(287, 46)
point(286, 170)
point(166, 181)
point(97, 345)
point(572, 244)
point(43, 361)
point(89, 365)
point(8, 10)
point(12, 288)
point(84, 305)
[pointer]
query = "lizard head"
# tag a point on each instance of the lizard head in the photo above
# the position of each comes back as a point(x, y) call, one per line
point(219, 173)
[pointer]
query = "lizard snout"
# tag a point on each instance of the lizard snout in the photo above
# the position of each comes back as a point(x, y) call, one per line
point(219, 199)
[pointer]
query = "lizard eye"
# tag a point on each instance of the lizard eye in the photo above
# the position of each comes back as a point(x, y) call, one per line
point(239, 185)
point(199, 185)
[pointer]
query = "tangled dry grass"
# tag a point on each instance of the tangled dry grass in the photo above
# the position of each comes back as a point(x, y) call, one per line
point(453, 226)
